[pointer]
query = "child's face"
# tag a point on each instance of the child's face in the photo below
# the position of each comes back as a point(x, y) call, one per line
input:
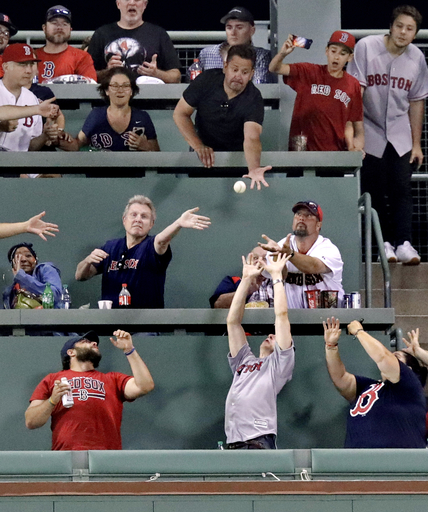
point(337, 57)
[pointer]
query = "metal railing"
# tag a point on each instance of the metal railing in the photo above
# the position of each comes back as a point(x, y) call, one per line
point(371, 220)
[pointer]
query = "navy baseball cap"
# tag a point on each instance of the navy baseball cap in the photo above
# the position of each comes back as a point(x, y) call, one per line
point(6, 21)
point(58, 11)
point(90, 336)
point(312, 206)
point(238, 13)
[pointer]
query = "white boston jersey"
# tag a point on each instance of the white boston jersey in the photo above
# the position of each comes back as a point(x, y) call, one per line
point(297, 282)
point(390, 82)
point(251, 403)
point(28, 128)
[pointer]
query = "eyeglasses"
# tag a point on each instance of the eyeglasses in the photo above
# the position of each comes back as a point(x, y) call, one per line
point(4, 33)
point(121, 262)
point(116, 87)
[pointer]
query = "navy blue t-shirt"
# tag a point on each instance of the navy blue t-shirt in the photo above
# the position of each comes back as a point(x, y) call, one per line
point(143, 271)
point(387, 415)
point(102, 136)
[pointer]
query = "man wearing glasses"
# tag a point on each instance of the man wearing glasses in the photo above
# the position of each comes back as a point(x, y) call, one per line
point(7, 30)
point(140, 260)
point(315, 262)
point(57, 57)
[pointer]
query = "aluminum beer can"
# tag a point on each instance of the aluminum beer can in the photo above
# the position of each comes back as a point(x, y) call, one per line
point(347, 301)
point(356, 300)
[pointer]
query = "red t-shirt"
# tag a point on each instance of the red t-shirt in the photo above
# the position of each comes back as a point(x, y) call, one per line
point(93, 423)
point(323, 106)
point(71, 61)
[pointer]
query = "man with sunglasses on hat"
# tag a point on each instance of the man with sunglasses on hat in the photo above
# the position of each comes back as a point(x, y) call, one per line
point(315, 262)
point(94, 420)
point(140, 260)
point(7, 30)
point(57, 57)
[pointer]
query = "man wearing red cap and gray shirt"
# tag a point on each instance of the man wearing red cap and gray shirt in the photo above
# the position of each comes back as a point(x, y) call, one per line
point(7, 30)
point(93, 421)
point(315, 262)
point(328, 98)
point(239, 26)
point(57, 57)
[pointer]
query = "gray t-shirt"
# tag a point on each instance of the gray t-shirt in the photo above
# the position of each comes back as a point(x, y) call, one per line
point(251, 401)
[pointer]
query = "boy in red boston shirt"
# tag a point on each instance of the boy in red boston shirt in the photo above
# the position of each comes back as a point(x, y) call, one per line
point(93, 422)
point(328, 98)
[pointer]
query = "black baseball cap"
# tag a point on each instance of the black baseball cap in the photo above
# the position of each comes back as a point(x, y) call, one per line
point(58, 11)
point(90, 336)
point(312, 206)
point(238, 13)
point(5, 20)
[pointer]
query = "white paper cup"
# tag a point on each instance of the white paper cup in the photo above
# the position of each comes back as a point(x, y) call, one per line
point(105, 304)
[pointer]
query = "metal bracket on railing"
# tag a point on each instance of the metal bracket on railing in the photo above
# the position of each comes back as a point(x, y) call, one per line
point(396, 338)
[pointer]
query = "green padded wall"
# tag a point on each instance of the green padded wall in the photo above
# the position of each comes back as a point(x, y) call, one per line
point(89, 212)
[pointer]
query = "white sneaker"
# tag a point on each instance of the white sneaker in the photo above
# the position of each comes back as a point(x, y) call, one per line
point(390, 253)
point(407, 254)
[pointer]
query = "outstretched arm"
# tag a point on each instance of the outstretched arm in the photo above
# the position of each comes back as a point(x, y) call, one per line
point(385, 360)
point(183, 119)
point(142, 381)
point(276, 65)
point(414, 348)
point(45, 109)
point(282, 322)
point(34, 225)
point(235, 331)
point(306, 264)
point(344, 381)
point(253, 153)
point(188, 219)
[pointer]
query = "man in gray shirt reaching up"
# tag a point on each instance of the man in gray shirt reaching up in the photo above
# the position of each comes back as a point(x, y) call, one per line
point(251, 415)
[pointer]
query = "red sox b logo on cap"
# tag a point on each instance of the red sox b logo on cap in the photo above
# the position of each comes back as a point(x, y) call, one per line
point(27, 50)
point(344, 37)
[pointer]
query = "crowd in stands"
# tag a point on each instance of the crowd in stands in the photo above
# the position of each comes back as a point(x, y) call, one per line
point(337, 103)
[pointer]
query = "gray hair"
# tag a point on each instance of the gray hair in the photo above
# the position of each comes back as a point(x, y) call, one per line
point(143, 200)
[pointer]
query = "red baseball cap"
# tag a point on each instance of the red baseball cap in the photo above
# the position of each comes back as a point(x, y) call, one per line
point(18, 52)
point(312, 206)
point(344, 38)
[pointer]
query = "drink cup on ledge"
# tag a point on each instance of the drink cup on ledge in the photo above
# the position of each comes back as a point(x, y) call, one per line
point(329, 299)
point(313, 298)
point(299, 143)
point(105, 304)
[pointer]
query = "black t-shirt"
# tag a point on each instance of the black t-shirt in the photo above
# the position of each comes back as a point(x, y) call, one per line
point(220, 121)
point(136, 46)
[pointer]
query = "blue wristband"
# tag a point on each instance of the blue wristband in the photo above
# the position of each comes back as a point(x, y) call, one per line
point(130, 352)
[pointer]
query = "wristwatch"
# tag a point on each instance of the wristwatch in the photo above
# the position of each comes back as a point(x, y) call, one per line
point(275, 281)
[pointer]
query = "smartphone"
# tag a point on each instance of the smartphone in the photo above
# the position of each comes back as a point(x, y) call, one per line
point(139, 131)
point(302, 42)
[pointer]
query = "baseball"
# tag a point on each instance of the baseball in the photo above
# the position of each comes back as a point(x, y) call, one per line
point(239, 187)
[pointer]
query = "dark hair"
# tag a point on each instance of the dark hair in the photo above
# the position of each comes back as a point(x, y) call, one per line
point(407, 10)
point(12, 251)
point(66, 362)
point(245, 51)
point(420, 371)
point(109, 74)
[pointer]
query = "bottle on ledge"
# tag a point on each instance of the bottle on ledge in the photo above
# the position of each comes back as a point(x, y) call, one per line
point(48, 297)
point(124, 297)
point(65, 298)
point(194, 70)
